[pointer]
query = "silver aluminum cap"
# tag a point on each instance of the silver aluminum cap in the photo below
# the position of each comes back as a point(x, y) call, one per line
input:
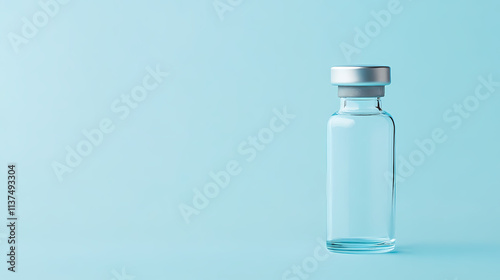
point(361, 81)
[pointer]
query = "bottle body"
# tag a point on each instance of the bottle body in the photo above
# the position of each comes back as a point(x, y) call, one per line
point(360, 178)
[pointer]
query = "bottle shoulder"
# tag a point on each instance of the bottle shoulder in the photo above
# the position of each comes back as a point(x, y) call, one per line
point(378, 113)
point(343, 118)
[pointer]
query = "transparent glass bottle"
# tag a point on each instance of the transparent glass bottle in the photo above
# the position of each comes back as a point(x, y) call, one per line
point(360, 164)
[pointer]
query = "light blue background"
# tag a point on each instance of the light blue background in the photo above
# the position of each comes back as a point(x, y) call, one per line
point(118, 212)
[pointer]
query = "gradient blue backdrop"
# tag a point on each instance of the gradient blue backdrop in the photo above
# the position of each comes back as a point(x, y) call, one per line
point(117, 214)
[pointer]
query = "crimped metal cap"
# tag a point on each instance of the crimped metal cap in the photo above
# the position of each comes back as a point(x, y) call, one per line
point(361, 75)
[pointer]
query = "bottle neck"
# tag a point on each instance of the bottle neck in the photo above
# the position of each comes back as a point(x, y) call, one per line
point(361, 106)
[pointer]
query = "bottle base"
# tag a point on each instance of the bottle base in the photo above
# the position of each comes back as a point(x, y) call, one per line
point(360, 245)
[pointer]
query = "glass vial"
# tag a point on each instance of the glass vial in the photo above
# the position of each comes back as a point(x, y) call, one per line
point(360, 163)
